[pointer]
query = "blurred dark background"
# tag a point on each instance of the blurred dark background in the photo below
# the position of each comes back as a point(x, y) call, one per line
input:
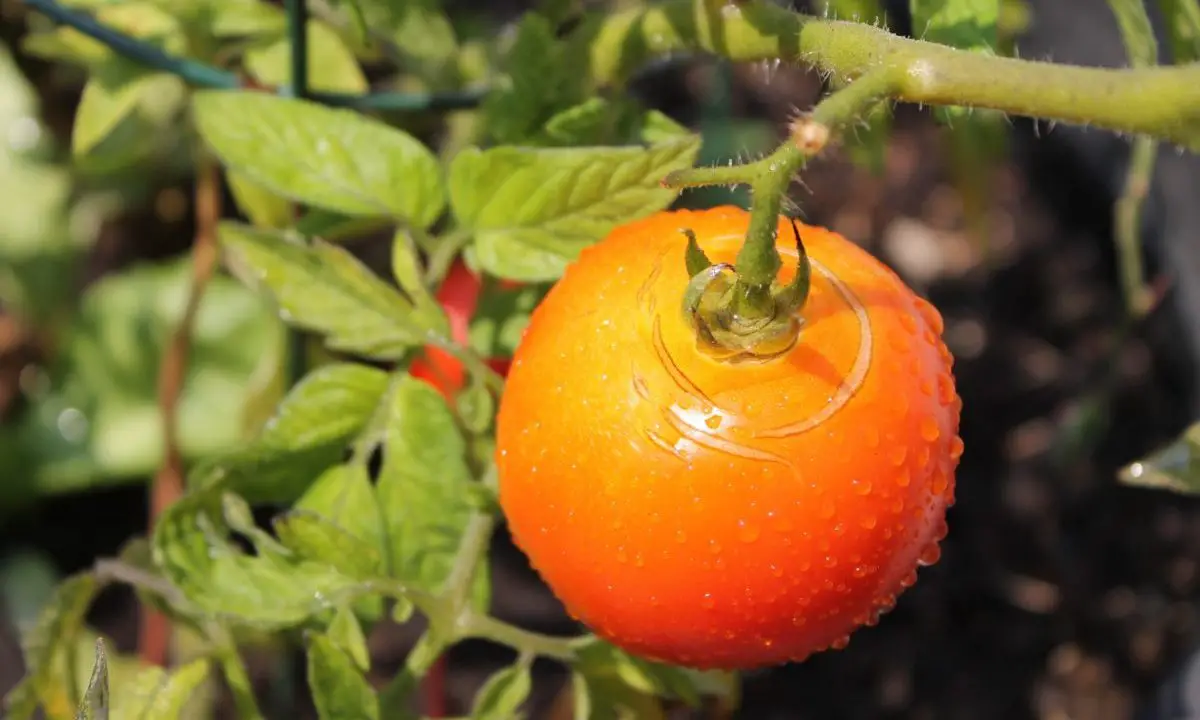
point(1061, 593)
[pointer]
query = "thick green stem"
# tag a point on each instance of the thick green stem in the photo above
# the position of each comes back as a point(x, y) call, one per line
point(489, 628)
point(758, 261)
point(1160, 101)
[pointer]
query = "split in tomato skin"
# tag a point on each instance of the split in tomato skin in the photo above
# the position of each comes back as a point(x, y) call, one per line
point(716, 514)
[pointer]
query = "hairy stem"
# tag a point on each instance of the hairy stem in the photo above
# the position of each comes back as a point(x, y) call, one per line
point(1159, 101)
point(168, 483)
point(486, 627)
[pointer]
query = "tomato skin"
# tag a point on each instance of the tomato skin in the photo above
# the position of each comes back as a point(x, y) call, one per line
point(722, 515)
point(458, 296)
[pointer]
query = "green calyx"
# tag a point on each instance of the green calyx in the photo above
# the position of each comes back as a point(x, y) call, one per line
point(737, 321)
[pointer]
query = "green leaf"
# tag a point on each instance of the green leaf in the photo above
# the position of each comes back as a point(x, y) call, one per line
point(422, 487)
point(109, 96)
point(408, 273)
point(101, 420)
point(533, 210)
point(47, 645)
point(155, 693)
point(323, 288)
point(347, 634)
point(657, 128)
point(1175, 467)
point(600, 661)
point(332, 67)
point(339, 689)
point(194, 551)
point(538, 80)
point(1183, 29)
point(334, 159)
point(95, 705)
point(246, 18)
point(337, 522)
point(587, 123)
point(264, 208)
point(503, 694)
point(308, 433)
point(1137, 33)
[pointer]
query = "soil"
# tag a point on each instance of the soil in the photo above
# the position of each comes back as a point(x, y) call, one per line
point(1060, 593)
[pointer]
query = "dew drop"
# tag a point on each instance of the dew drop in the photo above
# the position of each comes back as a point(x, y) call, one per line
point(827, 509)
point(747, 532)
point(830, 562)
point(639, 561)
point(861, 487)
point(776, 570)
point(931, 554)
point(926, 386)
point(861, 571)
point(840, 643)
point(956, 448)
point(940, 483)
point(767, 642)
point(707, 602)
point(946, 392)
point(714, 547)
point(908, 322)
point(805, 566)
point(923, 456)
point(871, 436)
point(897, 454)
point(622, 556)
point(680, 536)
point(868, 522)
point(909, 580)
point(903, 478)
point(799, 621)
point(713, 422)
point(929, 429)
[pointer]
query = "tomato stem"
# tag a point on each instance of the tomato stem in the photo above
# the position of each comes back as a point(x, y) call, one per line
point(756, 316)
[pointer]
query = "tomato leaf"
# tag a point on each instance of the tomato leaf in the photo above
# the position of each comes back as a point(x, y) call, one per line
point(323, 288)
point(110, 95)
point(423, 487)
point(337, 522)
point(347, 634)
point(95, 705)
point(501, 318)
point(246, 18)
point(1175, 467)
point(334, 159)
point(503, 694)
point(533, 210)
point(1183, 29)
point(538, 79)
point(192, 546)
point(264, 208)
point(339, 689)
point(155, 693)
point(332, 67)
point(307, 434)
point(407, 271)
point(46, 647)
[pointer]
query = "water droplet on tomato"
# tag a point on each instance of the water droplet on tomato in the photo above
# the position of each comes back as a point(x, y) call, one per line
point(861, 487)
point(714, 547)
point(926, 386)
point(871, 436)
point(840, 643)
point(908, 322)
point(799, 621)
point(680, 536)
point(940, 483)
point(747, 532)
point(776, 570)
point(903, 478)
point(946, 392)
point(929, 429)
point(956, 448)
point(909, 580)
point(897, 454)
point(713, 422)
point(767, 642)
point(931, 554)
point(827, 509)
point(622, 556)
point(707, 602)
point(868, 522)
point(830, 562)
point(923, 456)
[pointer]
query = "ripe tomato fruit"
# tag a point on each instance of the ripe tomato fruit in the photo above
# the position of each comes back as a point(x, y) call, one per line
point(716, 514)
point(458, 296)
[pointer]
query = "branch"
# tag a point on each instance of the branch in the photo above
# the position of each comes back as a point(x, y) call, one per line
point(1161, 101)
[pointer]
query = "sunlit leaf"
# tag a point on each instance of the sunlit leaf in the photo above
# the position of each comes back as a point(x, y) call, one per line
point(308, 433)
point(533, 210)
point(1183, 28)
point(332, 67)
point(538, 80)
point(503, 694)
point(421, 487)
point(95, 705)
point(347, 634)
point(334, 159)
point(323, 288)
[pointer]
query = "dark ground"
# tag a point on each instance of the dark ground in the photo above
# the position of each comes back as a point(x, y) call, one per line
point(1060, 594)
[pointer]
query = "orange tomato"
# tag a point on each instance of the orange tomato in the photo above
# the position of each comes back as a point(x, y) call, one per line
point(727, 515)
